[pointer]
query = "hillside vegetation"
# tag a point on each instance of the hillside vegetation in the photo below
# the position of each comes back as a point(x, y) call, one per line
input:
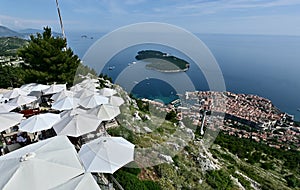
point(10, 45)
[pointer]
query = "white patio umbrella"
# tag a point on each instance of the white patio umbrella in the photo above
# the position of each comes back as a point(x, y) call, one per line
point(90, 86)
point(84, 93)
point(72, 112)
point(106, 154)
point(9, 119)
point(42, 165)
point(93, 101)
point(14, 93)
point(89, 80)
point(22, 100)
point(54, 88)
point(85, 181)
point(7, 107)
point(116, 101)
point(107, 92)
point(39, 122)
point(105, 112)
point(76, 125)
point(65, 103)
point(39, 87)
point(62, 94)
point(76, 88)
point(34, 87)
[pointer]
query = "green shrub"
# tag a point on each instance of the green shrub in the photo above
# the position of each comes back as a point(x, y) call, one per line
point(219, 179)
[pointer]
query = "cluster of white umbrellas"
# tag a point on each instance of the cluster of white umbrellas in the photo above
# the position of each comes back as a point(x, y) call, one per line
point(54, 163)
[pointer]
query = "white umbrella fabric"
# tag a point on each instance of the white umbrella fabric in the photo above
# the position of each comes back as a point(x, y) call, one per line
point(106, 154)
point(22, 100)
point(39, 87)
point(72, 112)
point(116, 101)
point(76, 88)
point(4, 108)
point(2, 99)
point(65, 103)
point(76, 125)
point(85, 181)
point(93, 101)
point(91, 84)
point(54, 88)
point(14, 93)
point(39, 122)
point(62, 94)
point(105, 112)
point(89, 80)
point(84, 93)
point(34, 87)
point(9, 119)
point(107, 92)
point(42, 165)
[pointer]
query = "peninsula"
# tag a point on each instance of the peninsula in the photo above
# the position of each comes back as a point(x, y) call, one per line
point(162, 61)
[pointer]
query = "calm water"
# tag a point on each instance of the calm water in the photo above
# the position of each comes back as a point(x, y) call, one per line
point(268, 66)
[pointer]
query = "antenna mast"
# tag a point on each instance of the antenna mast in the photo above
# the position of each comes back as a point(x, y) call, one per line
point(60, 20)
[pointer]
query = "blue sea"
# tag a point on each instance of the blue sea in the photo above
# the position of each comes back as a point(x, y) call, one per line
point(268, 66)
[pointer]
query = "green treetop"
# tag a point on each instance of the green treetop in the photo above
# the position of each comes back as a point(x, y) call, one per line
point(47, 59)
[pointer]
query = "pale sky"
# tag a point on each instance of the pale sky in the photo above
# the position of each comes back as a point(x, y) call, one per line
point(198, 16)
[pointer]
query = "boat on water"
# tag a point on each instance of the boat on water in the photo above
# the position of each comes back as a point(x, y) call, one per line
point(298, 109)
point(111, 67)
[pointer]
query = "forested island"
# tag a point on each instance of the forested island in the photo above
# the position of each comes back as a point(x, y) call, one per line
point(162, 61)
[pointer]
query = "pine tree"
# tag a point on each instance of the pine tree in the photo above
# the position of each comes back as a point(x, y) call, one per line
point(47, 59)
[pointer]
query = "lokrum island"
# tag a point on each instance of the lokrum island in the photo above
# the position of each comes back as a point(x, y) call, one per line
point(162, 62)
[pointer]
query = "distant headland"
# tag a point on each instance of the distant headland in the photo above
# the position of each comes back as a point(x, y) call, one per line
point(162, 62)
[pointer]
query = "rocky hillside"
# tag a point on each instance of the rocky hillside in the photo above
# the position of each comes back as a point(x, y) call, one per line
point(172, 155)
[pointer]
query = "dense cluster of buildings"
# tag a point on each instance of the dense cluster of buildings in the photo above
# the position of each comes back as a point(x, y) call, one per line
point(242, 115)
point(245, 116)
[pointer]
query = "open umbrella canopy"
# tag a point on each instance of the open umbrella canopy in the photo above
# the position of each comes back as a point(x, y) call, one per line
point(61, 94)
point(76, 88)
point(93, 101)
point(105, 112)
point(116, 101)
point(22, 100)
point(90, 87)
point(9, 119)
point(84, 93)
point(39, 87)
point(89, 80)
point(107, 92)
point(34, 87)
point(14, 93)
point(65, 103)
point(42, 165)
point(54, 88)
point(7, 107)
point(76, 125)
point(106, 154)
point(82, 182)
point(72, 112)
point(39, 122)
